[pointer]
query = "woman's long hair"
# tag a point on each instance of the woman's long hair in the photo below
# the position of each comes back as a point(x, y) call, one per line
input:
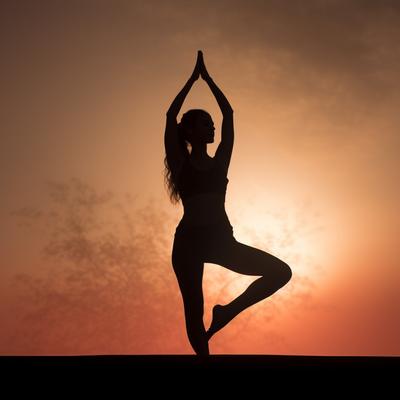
point(188, 120)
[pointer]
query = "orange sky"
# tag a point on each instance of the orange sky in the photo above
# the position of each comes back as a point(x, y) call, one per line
point(313, 178)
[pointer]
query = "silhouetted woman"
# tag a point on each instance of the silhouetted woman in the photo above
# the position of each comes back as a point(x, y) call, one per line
point(204, 234)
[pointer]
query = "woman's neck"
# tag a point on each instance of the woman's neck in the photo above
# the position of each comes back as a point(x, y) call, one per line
point(200, 153)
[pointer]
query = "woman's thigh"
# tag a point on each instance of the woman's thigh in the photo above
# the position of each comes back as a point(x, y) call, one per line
point(243, 259)
point(188, 265)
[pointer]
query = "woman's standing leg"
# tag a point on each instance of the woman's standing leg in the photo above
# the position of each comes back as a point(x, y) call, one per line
point(189, 272)
point(247, 260)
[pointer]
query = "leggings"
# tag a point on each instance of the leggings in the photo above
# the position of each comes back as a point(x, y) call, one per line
point(216, 244)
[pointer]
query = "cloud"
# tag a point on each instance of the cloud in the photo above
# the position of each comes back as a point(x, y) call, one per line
point(105, 287)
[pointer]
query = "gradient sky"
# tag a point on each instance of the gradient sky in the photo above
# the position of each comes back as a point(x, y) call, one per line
point(87, 226)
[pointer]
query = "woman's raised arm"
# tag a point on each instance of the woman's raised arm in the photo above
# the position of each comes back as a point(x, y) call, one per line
point(224, 150)
point(219, 96)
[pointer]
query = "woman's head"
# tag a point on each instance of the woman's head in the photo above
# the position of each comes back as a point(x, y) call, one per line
point(196, 127)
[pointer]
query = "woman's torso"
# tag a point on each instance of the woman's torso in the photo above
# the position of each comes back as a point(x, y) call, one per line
point(206, 207)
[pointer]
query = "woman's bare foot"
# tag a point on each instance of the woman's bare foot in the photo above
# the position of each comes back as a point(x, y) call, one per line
point(220, 318)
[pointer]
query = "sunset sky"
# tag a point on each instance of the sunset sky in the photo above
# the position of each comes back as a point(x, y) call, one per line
point(86, 224)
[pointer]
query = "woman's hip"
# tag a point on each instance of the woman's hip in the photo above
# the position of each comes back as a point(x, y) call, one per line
point(198, 241)
point(204, 232)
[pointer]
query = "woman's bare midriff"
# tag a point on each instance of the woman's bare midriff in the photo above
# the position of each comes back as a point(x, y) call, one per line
point(205, 209)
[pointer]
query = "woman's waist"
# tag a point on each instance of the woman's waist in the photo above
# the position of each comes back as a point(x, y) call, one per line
point(204, 216)
point(204, 200)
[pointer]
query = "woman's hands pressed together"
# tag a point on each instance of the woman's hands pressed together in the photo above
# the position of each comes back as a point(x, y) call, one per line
point(200, 69)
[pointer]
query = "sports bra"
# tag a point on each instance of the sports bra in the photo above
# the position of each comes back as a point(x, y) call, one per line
point(193, 181)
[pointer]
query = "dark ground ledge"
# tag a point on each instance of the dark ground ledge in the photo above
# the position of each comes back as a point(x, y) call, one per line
point(171, 376)
point(210, 362)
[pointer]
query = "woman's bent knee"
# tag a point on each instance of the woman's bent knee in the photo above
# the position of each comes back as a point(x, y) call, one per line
point(286, 273)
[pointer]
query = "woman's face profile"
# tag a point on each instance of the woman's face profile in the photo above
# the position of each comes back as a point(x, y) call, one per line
point(203, 129)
